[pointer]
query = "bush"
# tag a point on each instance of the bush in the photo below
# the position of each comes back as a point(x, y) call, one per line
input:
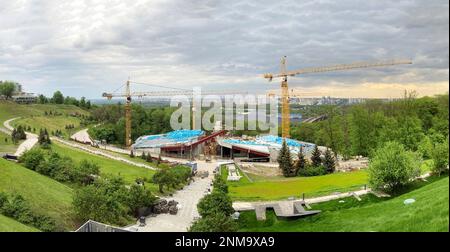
point(32, 159)
point(220, 184)
point(110, 201)
point(392, 167)
point(440, 158)
point(214, 203)
point(18, 208)
point(311, 171)
point(215, 223)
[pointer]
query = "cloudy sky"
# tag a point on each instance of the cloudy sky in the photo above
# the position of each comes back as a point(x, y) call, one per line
point(84, 48)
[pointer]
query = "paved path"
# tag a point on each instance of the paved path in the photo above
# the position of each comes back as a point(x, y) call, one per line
point(188, 199)
point(82, 136)
point(29, 143)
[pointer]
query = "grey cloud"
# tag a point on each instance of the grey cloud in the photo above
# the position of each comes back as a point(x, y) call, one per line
point(217, 43)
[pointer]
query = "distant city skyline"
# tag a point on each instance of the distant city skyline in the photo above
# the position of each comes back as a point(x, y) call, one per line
point(85, 48)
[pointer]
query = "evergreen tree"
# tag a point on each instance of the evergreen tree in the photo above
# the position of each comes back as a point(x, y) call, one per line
point(158, 161)
point(143, 156)
point(149, 158)
point(301, 162)
point(315, 158)
point(131, 154)
point(285, 160)
point(329, 161)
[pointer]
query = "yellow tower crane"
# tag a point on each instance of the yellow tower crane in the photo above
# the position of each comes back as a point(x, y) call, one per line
point(284, 74)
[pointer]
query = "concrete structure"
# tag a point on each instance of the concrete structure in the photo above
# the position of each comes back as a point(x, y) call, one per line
point(178, 144)
point(263, 148)
point(93, 226)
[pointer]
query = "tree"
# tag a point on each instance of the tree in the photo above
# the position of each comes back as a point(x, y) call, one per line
point(426, 147)
point(86, 171)
point(149, 157)
point(215, 223)
point(316, 159)
point(131, 154)
point(82, 102)
point(300, 165)
point(214, 203)
point(32, 159)
point(392, 167)
point(329, 162)
point(163, 178)
point(285, 160)
point(139, 197)
point(7, 89)
point(58, 98)
point(42, 100)
point(440, 157)
point(143, 156)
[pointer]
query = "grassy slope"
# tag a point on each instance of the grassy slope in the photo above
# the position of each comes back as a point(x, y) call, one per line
point(429, 213)
point(7, 147)
point(283, 188)
point(107, 166)
point(10, 225)
point(35, 115)
point(45, 195)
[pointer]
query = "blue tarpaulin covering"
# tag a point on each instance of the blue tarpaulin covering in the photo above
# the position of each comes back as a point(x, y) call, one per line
point(174, 137)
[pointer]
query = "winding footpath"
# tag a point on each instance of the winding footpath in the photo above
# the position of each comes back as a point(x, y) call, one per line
point(29, 143)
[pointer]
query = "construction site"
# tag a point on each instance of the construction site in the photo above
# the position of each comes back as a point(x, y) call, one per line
point(198, 144)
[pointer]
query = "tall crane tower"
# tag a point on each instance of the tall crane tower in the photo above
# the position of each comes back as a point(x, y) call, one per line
point(128, 96)
point(284, 74)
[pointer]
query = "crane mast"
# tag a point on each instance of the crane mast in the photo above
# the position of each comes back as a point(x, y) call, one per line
point(285, 110)
point(128, 95)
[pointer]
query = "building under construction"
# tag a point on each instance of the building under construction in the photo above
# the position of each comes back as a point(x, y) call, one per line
point(197, 144)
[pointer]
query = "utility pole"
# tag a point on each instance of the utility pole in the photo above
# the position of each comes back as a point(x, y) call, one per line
point(128, 116)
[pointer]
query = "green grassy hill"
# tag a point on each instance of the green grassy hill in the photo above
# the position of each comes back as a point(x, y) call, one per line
point(45, 195)
point(429, 213)
point(33, 115)
point(9, 146)
point(10, 225)
point(107, 166)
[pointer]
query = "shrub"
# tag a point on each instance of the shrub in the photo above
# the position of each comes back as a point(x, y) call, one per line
point(32, 159)
point(220, 184)
point(18, 208)
point(311, 171)
point(214, 203)
point(440, 158)
point(392, 167)
point(110, 201)
point(215, 223)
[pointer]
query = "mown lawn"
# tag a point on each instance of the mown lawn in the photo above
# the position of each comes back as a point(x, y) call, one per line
point(283, 188)
point(107, 166)
point(9, 225)
point(428, 214)
point(44, 194)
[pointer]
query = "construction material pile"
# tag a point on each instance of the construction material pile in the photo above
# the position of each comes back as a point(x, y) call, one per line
point(166, 207)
